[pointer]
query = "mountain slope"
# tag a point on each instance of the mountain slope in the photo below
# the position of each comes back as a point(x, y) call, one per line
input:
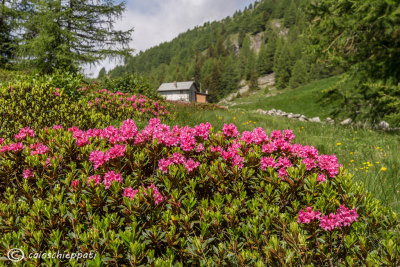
point(263, 38)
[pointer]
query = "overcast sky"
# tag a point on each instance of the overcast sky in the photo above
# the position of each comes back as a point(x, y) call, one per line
point(157, 21)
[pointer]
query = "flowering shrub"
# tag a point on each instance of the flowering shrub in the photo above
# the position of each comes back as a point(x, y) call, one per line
point(39, 105)
point(187, 196)
point(122, 106)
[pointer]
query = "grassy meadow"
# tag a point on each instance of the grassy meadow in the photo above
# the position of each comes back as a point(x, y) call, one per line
point(303, 100)
point(372, 156)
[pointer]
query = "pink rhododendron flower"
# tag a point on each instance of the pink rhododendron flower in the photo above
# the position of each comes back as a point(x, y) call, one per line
point(247, 137)
point(38, 149)
point(276, 134)
point(230, 130)
point(267, 162)
point(310, 163)
point(282, 173)
point(191, 165)
point(269, 148)
point(259, 136)
point(110, 177)
point(308, 215)
point(58, 127)
point(117, 151)
point(12, 147)
point(158, 198)
point(129, 192)
point(238, 161)
point(202, 130)
point(96, 178)
point(199, 148)
point(57, 93)
point(178, 158)
point(74, 184)
point(284, 162)
point(98, 158)
point(329, 163)
point(288, 135)
point(1, 141)
point(215, 149)
point(343, 218)
point(28, 173)
point(321, 178)
point(163, 165)
point(24, 132)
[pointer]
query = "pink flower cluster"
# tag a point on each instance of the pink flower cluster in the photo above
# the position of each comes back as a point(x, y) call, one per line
point(12, 147)
point(38, 149)
point(56, 92)
point(110, 177)
point(99, 157)
point(178, 158)
point(24, 132)
point(131, 193)
point(141, 104)
point(126, 132)
point(28, 173)
point(343, 218)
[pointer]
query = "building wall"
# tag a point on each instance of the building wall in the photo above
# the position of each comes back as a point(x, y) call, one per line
point(176, 95)
point(201, 98)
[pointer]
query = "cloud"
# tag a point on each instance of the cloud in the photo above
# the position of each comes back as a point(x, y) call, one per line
point(157, 21)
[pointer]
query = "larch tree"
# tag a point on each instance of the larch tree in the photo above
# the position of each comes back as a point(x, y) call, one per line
point(69, 33)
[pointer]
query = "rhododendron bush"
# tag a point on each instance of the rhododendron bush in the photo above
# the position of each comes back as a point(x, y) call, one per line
point(121, 106)
point(39, 104)
point(187, 196)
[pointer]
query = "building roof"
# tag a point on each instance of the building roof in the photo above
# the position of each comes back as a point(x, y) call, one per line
point(176, 86)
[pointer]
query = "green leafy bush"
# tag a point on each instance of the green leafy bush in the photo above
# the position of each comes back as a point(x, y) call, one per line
point(186, 196)
point(121, 106)
point(39, 104)
point(130, 83)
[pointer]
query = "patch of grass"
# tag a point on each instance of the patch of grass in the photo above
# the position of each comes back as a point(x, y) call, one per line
point(371, 156)
point(303, 100)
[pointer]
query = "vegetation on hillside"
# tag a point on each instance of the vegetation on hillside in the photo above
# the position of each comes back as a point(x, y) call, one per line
point(266, 37)
point(48, 35)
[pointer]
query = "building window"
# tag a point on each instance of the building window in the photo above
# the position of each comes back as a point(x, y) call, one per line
point(181, 91)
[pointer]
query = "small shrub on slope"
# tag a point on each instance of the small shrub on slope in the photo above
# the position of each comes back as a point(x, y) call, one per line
point(187, 196)
point(121, 106)
point(39, 105)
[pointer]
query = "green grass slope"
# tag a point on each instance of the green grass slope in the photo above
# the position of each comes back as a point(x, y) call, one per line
point(303, 100)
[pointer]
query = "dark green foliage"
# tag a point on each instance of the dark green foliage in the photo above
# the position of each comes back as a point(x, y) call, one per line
point(362, 38)
point(284, 59)
point(102, 73)
point(290, 15)
point(130, 83)
point(300, 74)
point(35, 104)
point(265, 61)
point(65, 34)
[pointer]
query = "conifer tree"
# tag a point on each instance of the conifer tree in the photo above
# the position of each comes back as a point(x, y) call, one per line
point(65, 34)
point(290, 15)
point(299, 74)
point(102, 73)
point(283, 67)
point(231, 74)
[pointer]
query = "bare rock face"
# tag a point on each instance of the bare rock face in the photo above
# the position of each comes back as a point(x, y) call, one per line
point(384, 125)
point(315, 119)
point(346, 122)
